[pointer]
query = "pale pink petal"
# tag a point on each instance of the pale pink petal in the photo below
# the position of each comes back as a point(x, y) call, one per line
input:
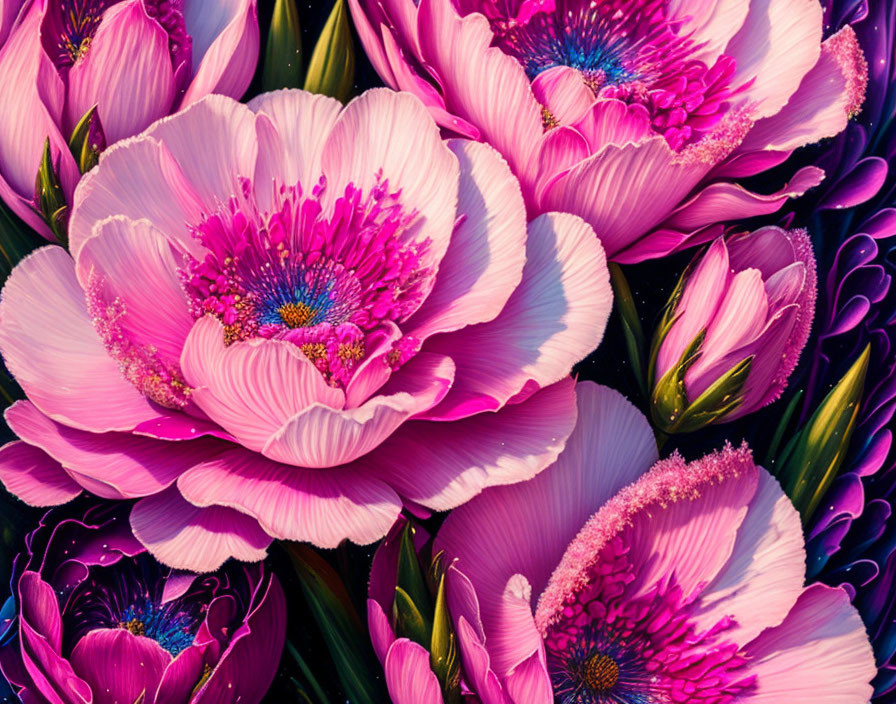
point(778, 43)
point(251, 388)
point(726, 201)
point(214, 143)
point(51, 348)
point(561, 149)
point(127, 74)
point(291, 139)
point(33, 99)
point(828, 96)
point(187, 537)
point(139, 179)
point(765, 574)
point(710, 24)
point(768, 249)
point(563, 91)
point(373, 372)
point(529, 682)
point(614, 122)
point(119, 666)
point(484, 262)
point(525, 528)
point(323, 507)
point(111, 465)
point(481, 83)
point(702, 295)
point(225, 47)
point(389, 135)
point(370, 31)
point(455, 461)
point(477, 665)
point(322, 436)
point(555, 318)
point(34, 477)
point(624, 191)
point(408, 675)
point(135, 263)
point(820, 654)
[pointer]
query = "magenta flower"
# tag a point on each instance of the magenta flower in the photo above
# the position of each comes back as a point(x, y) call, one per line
point(284, 320)
point(598, 583)
point(636, 116)
point(734, 329)
point(135, 60)
point(93, 618)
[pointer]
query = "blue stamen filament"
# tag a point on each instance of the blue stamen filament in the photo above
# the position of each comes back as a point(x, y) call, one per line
point(170, 628)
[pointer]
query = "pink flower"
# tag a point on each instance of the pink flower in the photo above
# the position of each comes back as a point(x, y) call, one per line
point(284, 320)
point(136, 60)
point(734, 329)
point(637, 116)
point(597, 583)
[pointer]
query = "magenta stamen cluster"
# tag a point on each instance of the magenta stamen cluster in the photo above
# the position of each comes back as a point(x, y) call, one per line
point(323, 281)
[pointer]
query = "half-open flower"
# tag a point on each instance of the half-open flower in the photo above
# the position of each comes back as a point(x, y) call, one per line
point(283, 320)
point(94, 618)
point(638, 116)
point(733, 329)
point(599, 582)
point(121, 64)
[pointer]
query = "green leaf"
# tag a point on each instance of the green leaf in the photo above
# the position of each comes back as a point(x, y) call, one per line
point(816, 454)
point(283, 55)
point(669, 399)
point(722, 397)
point(331, 70)
point(309, 676)
point(443, 657)
point(409, 622)
point(410, 575)
point(346, 638)
point(670, 315)
point(772, 456)
point(631, 324)
point(50, 196)
point(87, 141)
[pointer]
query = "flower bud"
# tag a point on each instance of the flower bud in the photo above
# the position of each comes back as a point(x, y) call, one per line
point(733, 329)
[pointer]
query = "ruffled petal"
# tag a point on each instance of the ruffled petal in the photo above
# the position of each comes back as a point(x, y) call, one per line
point(34, 477)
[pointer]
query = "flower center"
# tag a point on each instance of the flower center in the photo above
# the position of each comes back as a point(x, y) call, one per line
point(169, 627)
point(600, 673)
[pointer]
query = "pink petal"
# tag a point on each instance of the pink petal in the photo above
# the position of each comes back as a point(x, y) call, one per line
point(481, 83)
point(484, 262)
point(768, 249)
point(765, 575)
point(291, 139)
point(225, 47)
point(562, 90)
point(137, 265)
point(111, 465)
point(819, 655)
point(525, 528)
point(381, 633)
point(555, 318)
point(322, 436)
point(119, 666)
point(186, 537)
point(477, 666)
point(251, 388)
point(323, 507)
point(51, 348)
point(614, 122)
point(710, 24)
point(408, 675)
point(9, 9)
point(32, 112)
point(139, 179)
point(776, 46)
point(529, 682)
point(561, 149)
point(127, 74)
point(368, 24)
point(388, 133)
point(35, 478)
point(455, 461)
point(214, 143)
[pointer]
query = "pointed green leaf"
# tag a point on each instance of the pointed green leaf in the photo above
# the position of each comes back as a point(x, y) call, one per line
point(331, 70)
point(283, 55)
point(669, 399)
point(722, 397)
point(631, 323)
point(819, 449)
point(309, 676)
point(409, 622)
point(771, 457)
point(87, 141)
point(50, 196)
point(347, 640)
point(670, 315)
point(443, 648)
point(410, 574)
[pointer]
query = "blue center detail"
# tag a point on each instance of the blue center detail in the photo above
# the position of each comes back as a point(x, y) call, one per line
point(165, 624)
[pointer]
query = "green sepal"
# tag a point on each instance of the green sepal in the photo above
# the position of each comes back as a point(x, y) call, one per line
point(346, 638)
point(50, 197)
point(331, 70)
point(410, 575)
point(87, 141)
point(283, 53)
point(631, 323)
point(668, 319)
point(813, 458)
point(409, 622)
point(443, 656)
point(669, 399)
point(722, 397)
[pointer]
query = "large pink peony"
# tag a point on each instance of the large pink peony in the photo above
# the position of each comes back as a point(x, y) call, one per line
point(606, 581)
point(284, 320)
point(134, 60)
point(638, 115)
